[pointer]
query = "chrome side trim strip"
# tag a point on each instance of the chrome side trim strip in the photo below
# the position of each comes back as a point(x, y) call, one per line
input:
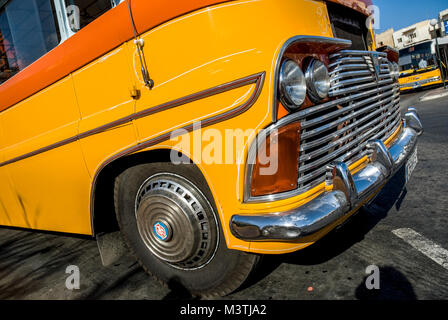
point(349, 192)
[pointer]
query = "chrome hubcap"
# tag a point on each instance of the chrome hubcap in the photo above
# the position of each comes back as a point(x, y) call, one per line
point(176, 222)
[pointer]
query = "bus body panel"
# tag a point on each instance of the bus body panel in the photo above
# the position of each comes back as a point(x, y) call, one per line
point(103, 90)
point(50, 187)
point(10, 211)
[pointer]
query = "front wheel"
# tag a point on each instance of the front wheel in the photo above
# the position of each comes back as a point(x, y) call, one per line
point(169, 220)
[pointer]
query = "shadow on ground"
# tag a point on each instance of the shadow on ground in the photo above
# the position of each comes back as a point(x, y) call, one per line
point(393, 286)
point(19, 277)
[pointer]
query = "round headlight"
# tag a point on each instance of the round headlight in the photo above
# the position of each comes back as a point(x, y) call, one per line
point(317, 80)
point(292, 85)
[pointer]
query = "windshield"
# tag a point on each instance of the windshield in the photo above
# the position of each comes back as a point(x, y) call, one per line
point(417, 59)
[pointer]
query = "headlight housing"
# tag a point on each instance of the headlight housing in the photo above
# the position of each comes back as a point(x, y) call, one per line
point(292, 85)
point(317, 80)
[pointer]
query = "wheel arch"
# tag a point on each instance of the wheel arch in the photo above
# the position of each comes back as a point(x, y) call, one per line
point(102, 210)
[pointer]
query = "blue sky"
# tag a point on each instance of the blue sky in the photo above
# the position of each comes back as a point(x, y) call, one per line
point(398, 14)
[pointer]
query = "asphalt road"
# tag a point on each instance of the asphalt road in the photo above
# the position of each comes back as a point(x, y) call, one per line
point(33, 265)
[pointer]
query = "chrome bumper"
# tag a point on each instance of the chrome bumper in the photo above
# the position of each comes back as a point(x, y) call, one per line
point(349, 192)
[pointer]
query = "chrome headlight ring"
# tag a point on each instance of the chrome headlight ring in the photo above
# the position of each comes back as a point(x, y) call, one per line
point(292, 85)
point(317, 80)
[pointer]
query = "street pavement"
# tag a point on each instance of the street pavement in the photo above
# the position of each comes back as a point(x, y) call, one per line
point(403, 232)
point(435, 94)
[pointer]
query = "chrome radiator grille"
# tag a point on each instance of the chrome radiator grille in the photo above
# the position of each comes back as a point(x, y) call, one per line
point(365, 107)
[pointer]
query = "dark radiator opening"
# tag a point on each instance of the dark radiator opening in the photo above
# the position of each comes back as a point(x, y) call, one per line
point(350, 25)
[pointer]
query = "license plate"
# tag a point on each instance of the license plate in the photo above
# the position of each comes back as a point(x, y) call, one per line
point(411, 164)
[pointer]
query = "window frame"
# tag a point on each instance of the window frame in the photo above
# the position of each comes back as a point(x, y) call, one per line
point(61, 14)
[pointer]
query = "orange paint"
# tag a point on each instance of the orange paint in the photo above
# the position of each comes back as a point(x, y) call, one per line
point(281, 111)
point(148, 14)
point(99, 37)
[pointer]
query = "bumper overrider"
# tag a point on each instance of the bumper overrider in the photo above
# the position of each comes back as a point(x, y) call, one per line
point(349, 191)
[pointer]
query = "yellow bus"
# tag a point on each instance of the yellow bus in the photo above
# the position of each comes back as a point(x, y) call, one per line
point(419, 67)
point(206, 133)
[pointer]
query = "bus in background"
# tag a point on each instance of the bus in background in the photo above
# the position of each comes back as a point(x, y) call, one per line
point(419, 67)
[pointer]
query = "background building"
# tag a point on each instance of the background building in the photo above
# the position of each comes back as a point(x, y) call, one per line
point(414, 34)
point(443, 18)
point(385, 39)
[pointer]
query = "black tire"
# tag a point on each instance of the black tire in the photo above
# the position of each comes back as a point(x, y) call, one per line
point(223, 272)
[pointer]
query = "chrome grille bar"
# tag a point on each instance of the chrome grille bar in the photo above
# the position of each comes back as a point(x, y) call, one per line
point(319, 108)
point(321, 170)
point(343, 75)
point(340, 150)
point(306, 124)
point(345, 67)
point(345, 61)
point(354, 53)
point(339, 121)
point(340, 141)
point(359, 87)
point(365, 106)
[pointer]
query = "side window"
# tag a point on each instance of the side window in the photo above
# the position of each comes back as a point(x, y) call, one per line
point(81, 12)
point(28, 30)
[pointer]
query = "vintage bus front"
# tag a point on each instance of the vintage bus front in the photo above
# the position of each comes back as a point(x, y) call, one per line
point(152, 120)
point(419, 67)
